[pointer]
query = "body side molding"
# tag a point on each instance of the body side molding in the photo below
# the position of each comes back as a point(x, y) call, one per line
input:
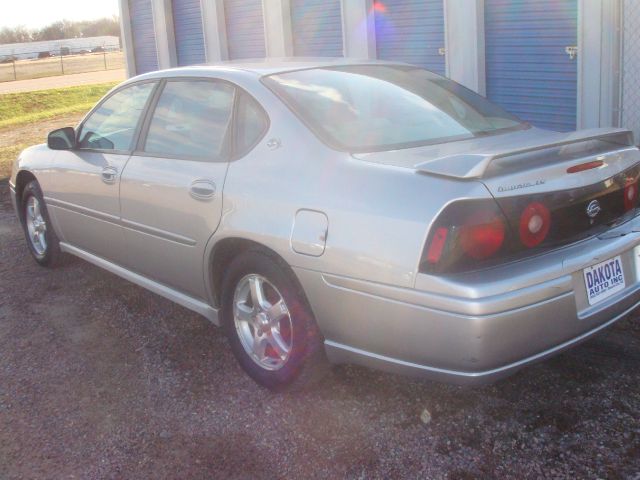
point(180, 298)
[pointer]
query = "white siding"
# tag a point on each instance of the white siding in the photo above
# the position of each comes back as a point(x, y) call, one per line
point(631, 67)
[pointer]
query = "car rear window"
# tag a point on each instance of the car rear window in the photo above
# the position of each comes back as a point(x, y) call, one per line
point(363, 108)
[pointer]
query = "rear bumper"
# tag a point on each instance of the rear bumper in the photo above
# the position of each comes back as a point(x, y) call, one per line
point(339, 353)
point(472, 339)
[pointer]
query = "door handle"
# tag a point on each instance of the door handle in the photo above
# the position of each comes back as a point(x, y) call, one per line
point(202, 189)
point(109, 175)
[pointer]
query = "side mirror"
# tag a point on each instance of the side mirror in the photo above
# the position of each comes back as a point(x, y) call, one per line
point(62, 139)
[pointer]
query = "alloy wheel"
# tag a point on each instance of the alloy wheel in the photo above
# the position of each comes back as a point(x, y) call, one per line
point(36, 226)
point(263, 322)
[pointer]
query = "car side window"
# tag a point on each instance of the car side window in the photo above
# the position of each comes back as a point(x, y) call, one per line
point(192, 120)
point(251, 123)
point(112, 125)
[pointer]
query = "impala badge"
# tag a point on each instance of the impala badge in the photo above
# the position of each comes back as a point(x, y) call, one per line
point(593, 209)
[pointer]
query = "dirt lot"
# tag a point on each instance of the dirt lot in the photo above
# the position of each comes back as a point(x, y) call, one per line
point(15, 139)
point(101, 379)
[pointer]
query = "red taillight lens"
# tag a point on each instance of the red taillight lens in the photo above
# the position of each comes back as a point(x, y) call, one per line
point(436, 247)
point(466, 235)
point(585, 166)
point(630, 195)
point(482, 236)
point(535, 222)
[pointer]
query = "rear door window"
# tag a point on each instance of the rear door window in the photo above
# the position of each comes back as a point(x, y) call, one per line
point(192, 120)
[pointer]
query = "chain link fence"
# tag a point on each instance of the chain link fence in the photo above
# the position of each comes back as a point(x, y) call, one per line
point(60, 62)
point(630, 103)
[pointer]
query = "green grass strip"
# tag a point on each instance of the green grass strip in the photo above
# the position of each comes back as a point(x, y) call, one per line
point(27, 107)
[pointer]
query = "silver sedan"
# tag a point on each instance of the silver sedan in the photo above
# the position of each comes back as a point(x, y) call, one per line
point(345, 212)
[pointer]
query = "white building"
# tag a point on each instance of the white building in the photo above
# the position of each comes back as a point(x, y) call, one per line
point(31, 49)
point(560, 64)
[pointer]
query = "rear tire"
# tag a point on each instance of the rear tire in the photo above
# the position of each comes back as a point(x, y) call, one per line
point(270, 327)
point(38, 229)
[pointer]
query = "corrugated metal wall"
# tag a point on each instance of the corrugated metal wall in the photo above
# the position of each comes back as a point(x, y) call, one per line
point(143, 33)
point(411, 31)
point(245, 28)
point(631, 67)
point(187, 24)
point(528, 71)
point(317, 28)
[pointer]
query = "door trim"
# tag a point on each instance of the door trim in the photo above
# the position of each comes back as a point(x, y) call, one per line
point(75, 208)
point(156, 232)
point(72, 207)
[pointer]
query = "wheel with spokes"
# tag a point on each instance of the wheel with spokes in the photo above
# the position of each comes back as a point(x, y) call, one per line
point(41, 239)
point(269, 324)
point(262, 321)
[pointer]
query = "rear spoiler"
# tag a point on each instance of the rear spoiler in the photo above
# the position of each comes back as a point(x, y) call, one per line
point(476, 165)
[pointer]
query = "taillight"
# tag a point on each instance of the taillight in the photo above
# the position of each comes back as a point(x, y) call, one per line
point(471, 235)
point(465, 236)
point(436, 247)
point(535, 222)
point(630, 195)
point(482, 235)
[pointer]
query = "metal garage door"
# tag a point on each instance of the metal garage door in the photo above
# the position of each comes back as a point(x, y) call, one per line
point(411, 31)
point(187, 23)
point(143, 33)
point(245, 28)
point(317, 28)
point(528, 70)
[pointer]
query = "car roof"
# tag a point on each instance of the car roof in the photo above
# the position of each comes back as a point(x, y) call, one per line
point(265, 66)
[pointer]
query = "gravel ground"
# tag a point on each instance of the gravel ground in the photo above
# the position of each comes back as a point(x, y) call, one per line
point(101, 379)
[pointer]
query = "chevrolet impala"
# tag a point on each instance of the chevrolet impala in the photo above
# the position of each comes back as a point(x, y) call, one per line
point(336, 211)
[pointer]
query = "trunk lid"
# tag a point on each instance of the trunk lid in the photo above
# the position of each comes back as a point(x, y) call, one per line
point(552, 188)
point(530, 154)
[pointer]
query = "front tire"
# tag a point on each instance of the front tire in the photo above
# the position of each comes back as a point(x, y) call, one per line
point(38, 230)
point(270, 327)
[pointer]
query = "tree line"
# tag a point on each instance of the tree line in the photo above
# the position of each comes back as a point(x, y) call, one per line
point(61, 30)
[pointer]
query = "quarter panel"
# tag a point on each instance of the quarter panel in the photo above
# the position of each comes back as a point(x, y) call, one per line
point(378, 215)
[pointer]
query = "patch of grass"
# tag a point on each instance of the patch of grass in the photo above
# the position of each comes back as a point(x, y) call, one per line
point(27, 107)
point(8, 155)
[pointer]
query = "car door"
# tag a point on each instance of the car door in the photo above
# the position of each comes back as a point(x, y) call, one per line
point(171, 188)
point(85, 182)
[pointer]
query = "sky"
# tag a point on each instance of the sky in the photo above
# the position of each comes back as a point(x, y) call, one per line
point(38, 13)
